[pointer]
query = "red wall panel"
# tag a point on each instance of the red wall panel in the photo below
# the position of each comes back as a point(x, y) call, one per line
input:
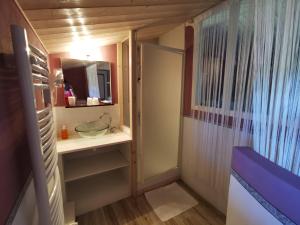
point(188, 70)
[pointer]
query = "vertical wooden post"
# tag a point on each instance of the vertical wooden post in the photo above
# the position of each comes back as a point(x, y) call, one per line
point(133, 108)
point(120, 80)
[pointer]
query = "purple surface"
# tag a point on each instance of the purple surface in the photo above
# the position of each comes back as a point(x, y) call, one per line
point(278, 186)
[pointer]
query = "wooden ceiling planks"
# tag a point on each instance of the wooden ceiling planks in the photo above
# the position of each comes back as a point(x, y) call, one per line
point(154, 31)
point(53, 23)
point(62, 47)
point(91, 32)
point(45, 14)
point(61, 4)
point(95, 36)
point(59, 22)
point(94, 27)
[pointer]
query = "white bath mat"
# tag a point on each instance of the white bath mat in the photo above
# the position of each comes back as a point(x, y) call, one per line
point(170, 201)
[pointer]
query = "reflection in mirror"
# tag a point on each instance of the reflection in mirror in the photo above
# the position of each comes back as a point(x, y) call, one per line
point(86, 83)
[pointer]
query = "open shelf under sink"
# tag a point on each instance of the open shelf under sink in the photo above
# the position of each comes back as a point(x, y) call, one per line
point(96, 191)
point(94, 164)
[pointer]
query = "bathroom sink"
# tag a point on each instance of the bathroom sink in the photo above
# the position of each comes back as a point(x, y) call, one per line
point(92, 134)
point(95, 128)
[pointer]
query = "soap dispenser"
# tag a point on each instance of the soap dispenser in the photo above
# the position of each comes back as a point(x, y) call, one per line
point(64, 132)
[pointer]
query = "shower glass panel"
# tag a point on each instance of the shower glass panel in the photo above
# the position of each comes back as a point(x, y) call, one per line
point(160, 108)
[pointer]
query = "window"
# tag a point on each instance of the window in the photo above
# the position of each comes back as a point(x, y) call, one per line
point(212, 47)
point(217, 86)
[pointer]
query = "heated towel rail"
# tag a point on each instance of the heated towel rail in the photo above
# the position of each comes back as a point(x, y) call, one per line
point(33, 74)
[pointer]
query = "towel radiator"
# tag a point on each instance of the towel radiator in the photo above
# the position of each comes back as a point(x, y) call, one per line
point(33, 74)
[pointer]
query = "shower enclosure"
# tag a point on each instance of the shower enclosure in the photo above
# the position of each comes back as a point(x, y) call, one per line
point(159, 110)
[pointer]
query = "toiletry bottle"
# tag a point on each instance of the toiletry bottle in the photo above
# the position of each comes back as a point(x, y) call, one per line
point(64, 132)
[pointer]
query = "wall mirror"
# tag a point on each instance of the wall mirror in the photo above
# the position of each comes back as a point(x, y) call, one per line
point(86, 83)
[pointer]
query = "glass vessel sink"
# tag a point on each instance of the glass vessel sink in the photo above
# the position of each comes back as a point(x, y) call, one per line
point(95, 128)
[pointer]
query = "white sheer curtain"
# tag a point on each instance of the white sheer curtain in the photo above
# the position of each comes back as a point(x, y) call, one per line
point(211, 47)
point(246, 86)
point(92, 78)
point(223, 100)
point(276, 103)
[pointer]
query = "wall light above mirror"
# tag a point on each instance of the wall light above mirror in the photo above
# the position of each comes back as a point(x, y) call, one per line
point(86, 83)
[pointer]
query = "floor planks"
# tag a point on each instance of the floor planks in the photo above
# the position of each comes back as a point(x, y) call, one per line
point(138, 212)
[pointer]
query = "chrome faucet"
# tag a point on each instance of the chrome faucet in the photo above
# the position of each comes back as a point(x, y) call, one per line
point(110, 128)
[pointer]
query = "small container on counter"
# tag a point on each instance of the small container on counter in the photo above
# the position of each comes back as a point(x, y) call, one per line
point(64, 133)
point(72, 100)
point(89, 101)
point(95, 101)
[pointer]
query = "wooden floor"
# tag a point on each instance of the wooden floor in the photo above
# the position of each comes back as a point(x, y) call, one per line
point(138, 212)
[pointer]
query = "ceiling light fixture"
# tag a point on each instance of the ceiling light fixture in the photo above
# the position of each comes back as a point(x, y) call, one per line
point(73, 29)
point(81, 20)
point(86, 49)
point(70, 21)
point(85, 30)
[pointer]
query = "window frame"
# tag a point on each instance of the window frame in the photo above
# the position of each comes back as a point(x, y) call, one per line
point(222, 110)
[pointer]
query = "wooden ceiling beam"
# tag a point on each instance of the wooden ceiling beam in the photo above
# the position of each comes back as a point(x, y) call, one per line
point(145, 34)
point(58, 48)
point(46, 14)
point(172, 20)
point(108, 19)
point(155, 31)
point(150, 31)
point(68, 29)
point(61, 22)
point(60, 4)
point(101, 41)
point(92, 32)
point(87, 37)
point(102, 28)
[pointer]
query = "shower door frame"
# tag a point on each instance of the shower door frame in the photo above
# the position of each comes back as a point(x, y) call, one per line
point(173, 174)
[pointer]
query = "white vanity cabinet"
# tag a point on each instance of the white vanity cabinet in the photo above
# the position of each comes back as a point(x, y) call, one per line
point(95, 172)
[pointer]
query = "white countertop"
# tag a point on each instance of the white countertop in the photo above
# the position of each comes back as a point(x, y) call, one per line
point(77, 143)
